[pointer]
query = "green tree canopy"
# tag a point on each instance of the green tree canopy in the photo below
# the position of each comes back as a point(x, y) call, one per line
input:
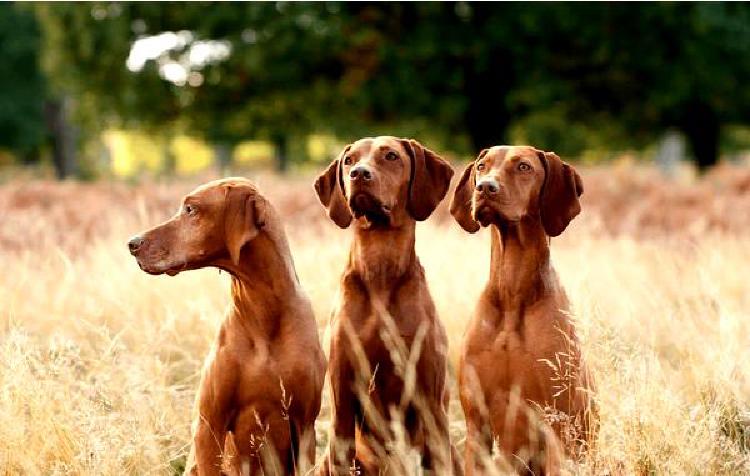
point(563, 76)
point(632, 71)
point(277, 81)
point(22, 85)
point(566, 76)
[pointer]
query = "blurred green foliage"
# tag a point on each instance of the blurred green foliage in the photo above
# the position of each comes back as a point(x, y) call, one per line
point(459, 75)
point(22, 85)
point(642, 68)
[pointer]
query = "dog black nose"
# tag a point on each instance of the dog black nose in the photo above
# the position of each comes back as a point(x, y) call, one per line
point(487, 186)
point(360, 172)
point(134, 244)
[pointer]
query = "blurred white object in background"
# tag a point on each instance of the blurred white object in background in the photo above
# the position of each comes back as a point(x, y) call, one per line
point(670, 152)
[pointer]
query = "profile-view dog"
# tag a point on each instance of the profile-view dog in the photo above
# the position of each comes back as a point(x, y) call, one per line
point(382, 186)
point(261, 383)
point(520, 358)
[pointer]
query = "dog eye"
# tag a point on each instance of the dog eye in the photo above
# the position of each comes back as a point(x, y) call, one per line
point(524, 167)
point(480, 167)
point(391, 156)
point(347, 160)
point(189, 209)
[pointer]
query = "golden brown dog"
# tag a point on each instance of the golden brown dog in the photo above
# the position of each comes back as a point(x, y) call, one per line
point(384, 185)
point(520, 360)
point(261, 383)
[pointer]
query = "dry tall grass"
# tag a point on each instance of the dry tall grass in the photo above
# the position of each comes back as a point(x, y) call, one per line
point(99, 362)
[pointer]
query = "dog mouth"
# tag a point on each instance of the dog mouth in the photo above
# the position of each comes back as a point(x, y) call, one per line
point(486, 211)
point(485, 215)
point(366, 205)
point(158, 269)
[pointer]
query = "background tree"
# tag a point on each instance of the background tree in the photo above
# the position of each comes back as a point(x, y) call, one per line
point(22, 85)
point(447, 64)
point(632, 72)
point(85, 55)
point(567, 77)
point(274, 84)
point(278, 83)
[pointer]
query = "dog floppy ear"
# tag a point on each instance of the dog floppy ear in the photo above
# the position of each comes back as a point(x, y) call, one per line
point(558, 201)
point(461, 202)
point(430, 179)
point(330, 189)
point(245, 216)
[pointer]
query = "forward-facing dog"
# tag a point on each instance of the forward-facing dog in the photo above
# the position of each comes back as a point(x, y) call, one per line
point(261, 384)
point(381, 186)
point(520, 361)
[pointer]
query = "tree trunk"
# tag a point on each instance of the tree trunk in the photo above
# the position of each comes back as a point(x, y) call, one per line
point(485, 124)
point(487, 116)
point(63, 138)
point(30, 157)
point(168, 159)
point(223, 156)
point(701, 127)
point(281, 151)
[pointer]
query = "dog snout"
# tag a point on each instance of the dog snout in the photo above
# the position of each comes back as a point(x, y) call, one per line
point(135, 244)
point(360, 172)
point(488, 186)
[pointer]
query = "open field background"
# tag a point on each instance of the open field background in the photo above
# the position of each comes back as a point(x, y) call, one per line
point(99, 362)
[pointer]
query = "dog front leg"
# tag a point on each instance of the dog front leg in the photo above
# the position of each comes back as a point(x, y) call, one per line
point(206, 452)
point(478, 445)
point(209, 426)
point(438, 451)
point(340, 454)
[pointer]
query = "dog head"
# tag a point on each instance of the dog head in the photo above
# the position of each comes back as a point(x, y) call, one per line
point(383, 180)
point(215, 221)
point(508, 183)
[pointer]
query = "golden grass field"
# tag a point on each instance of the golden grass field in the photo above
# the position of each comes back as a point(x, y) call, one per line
point(99, 362)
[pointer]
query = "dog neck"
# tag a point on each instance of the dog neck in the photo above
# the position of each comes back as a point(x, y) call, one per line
point(382, 256)
point(520, 270)
point(264, 283)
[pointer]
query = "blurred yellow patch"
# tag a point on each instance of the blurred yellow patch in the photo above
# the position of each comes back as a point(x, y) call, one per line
point(134, 152)
point(6, 158)
point(322, 148)
point(253, 152)
point(191, 155)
